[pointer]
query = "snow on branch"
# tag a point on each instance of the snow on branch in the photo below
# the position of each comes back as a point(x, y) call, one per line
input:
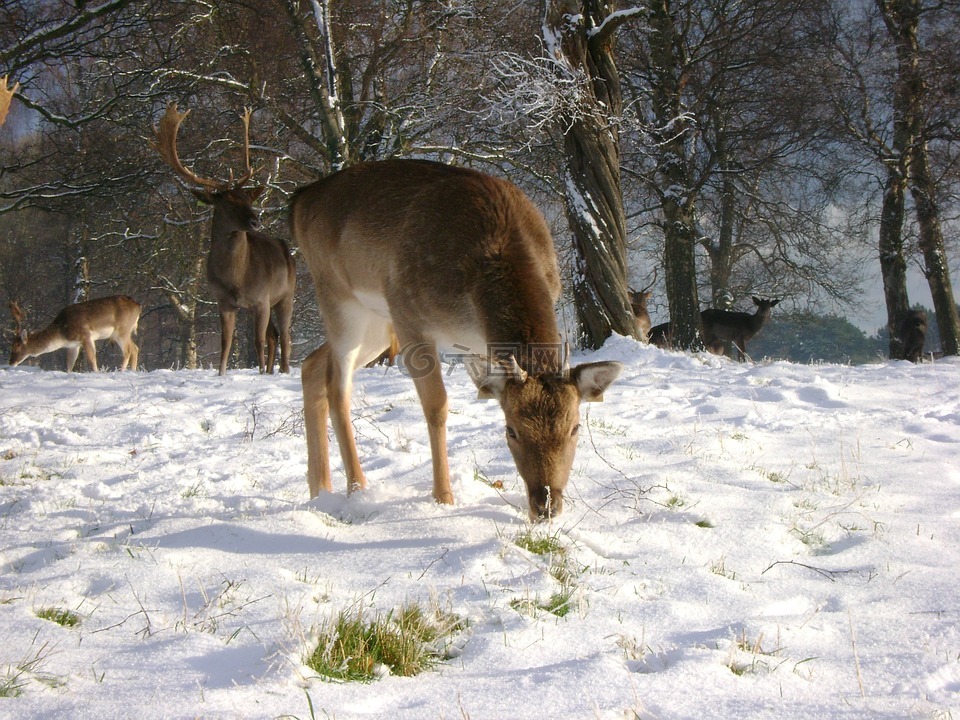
point(613, 21)
point(540, 91)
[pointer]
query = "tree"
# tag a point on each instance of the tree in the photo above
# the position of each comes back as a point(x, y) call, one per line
point(902, 18)
point(881, 83)
point(579, 38)
point(728, 155)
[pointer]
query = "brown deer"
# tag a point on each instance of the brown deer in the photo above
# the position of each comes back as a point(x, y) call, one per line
point(449, 258)
point(913, 333)
point(638, 303)
point(80, 326)
point(722, 326)
point(245, 268)
point(6, 97)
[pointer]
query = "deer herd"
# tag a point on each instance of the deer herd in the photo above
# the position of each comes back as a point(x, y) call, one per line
point(411, 256)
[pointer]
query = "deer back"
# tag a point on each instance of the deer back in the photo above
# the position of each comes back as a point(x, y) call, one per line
point(381, 233)
point(727, 325)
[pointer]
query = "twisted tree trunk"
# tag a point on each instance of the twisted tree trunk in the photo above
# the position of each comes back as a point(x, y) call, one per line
point(594, 198)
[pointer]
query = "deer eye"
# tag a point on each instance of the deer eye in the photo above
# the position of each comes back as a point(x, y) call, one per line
point(575, 431)
point(511, 433)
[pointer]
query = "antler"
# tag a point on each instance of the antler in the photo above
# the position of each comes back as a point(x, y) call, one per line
point(6, 97)
point(165, 143)
point(652, 282)
point(247, 112)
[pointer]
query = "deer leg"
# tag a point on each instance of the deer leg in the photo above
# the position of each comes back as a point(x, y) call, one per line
point(284, 310)
point(122, 347)
point(424, 365)
point(272, 336)
point(339, 391)
point(133, 353)
point(741, 346)
point(90, 350)
point(314, 371)
point(262, 322)
point(73, 352)
point(228, 320)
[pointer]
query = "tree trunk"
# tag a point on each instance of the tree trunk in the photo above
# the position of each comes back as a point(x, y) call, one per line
point(902, 18)
point(893, 264)
point(594, 199)
point(721, 251)
point(676, 199)
point(923, 191)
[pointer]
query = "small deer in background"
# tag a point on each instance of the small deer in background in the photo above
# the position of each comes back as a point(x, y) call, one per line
point(80, 326)
point(723, 326)
point(913, 333)
point(245, 268)
point(638, 303)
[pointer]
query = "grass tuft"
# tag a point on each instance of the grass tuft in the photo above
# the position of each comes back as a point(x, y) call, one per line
point(405, 642)
point(66, 618)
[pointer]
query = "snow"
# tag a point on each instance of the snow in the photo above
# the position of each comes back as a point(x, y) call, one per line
point(747, 541)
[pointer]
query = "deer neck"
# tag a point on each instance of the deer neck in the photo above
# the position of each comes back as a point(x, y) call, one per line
point(531, 336)
point(229, 254)
point(758, 319)
point(43, 341)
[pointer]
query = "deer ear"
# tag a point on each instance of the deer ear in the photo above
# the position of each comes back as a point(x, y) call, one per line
point(255, 192)
point(756, 300)
point(491, 377)
point(593, 378)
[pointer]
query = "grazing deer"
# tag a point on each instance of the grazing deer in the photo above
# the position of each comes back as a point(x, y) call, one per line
point(245, 268)
point(6, 97)
point(80, 326)
point(638, 303)
point(722, 326)
point(448, 258)
point(913, 333)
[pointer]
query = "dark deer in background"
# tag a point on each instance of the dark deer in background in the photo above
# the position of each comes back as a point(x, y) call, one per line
point(442, 257)
point(80, 326)
point(246, 269)
point(662, 336)
point(913, 333)
point(723, 326)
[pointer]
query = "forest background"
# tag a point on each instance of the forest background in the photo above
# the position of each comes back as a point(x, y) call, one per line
point(707, 150)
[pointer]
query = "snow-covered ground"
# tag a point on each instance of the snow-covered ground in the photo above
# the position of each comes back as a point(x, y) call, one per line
point(744, 541)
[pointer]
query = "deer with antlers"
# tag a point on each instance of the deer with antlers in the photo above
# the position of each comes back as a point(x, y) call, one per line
point(444, 258)
point(80, 326)
point(246, 269)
